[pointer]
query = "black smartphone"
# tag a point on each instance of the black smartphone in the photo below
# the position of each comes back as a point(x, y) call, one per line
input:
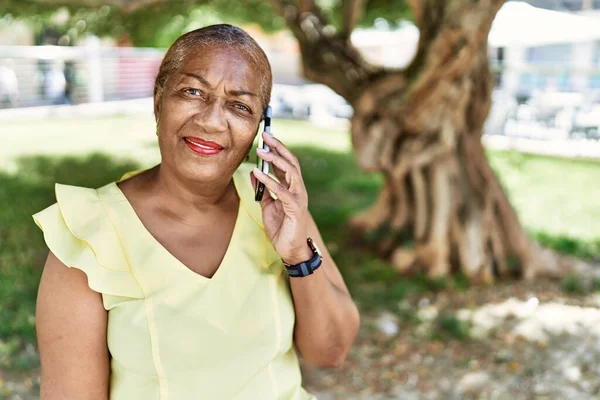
point(262, 164)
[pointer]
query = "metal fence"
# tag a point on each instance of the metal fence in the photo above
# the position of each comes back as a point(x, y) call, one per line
point(548, 93)
point(45, 75)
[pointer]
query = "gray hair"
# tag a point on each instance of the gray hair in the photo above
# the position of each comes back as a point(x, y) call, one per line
point(217, 35)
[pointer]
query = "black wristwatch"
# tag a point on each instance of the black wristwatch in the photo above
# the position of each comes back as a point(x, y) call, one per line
point(307, 267)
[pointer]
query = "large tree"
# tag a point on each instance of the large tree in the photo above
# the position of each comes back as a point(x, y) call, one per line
point(420, 126)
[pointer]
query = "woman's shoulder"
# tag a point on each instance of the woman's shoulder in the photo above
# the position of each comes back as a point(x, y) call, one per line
point(78, 230)
point(79, 205)
point(76, 196)
point(74, 203)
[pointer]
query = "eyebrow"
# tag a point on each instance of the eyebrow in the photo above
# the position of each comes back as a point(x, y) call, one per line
point(199, 78)
point(239, 92)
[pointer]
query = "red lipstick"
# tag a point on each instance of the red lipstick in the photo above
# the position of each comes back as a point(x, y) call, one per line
point(203, 147)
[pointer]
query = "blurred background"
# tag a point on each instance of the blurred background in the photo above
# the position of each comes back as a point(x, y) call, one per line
point(75, 107)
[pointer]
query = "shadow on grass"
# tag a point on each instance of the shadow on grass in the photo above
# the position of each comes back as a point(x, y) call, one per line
point(589, 250)
point(337, 189)
point(22, 249)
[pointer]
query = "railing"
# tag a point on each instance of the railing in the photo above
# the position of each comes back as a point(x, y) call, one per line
point(46, 75)
point(43, 75)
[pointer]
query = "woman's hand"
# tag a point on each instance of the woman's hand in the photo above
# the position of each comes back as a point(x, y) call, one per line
point(327, 320)
point(285, 218)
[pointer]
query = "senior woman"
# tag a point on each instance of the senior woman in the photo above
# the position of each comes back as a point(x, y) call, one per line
point(173, 282)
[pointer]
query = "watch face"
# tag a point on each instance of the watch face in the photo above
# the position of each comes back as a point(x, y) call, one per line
point(315, 247)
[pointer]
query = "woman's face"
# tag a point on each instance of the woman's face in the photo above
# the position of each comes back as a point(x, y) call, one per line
point(208, 114)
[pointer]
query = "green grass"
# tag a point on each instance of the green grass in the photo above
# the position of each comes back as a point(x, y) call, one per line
point(22, 250)
point(130, 136)
point(576, 284)
point(449, 326)
point(573, 284)
point(557, 199)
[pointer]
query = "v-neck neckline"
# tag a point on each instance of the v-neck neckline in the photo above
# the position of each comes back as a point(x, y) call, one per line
point(154, 242)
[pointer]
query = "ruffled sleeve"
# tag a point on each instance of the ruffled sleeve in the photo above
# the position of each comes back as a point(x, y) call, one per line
point(78, 231)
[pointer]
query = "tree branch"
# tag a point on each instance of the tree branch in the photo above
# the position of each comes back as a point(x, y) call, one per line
point(418, 7)
point(353, 12)
point(437, 18)
point(307, 6)
point(327, 57)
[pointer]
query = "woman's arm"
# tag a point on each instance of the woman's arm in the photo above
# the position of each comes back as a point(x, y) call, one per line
point(71, 331)
point(327, 320)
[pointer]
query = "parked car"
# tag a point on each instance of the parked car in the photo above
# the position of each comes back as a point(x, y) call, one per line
point(586, 122)
point(9, 87)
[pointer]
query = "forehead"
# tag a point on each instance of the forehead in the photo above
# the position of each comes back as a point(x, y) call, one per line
point(219, 64)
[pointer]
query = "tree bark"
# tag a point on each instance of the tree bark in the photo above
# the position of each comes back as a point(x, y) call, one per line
point(441, 209)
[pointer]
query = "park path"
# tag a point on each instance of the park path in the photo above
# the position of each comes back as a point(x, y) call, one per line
point(525, 341)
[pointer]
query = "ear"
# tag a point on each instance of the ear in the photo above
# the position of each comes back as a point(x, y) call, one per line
point(258, 127)
point(260, 121)
point(157, 103)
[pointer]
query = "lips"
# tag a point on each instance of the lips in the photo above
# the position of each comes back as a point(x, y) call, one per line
point(203, 147)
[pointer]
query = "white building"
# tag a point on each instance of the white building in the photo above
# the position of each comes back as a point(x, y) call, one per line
point(569, 60)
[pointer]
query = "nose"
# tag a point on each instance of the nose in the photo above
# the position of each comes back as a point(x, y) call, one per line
point(211, 118)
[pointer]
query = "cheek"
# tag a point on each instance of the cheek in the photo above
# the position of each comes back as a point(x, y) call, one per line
point(176, 110)
point(243, 134)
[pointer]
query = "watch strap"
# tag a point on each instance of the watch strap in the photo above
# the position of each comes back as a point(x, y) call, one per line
point(307, 267)
point(304, 268)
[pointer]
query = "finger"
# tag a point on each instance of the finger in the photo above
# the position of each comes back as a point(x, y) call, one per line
point(288, 173)
point(279, 173)
point(266, 198)
point(281, 149)
point(290, 204)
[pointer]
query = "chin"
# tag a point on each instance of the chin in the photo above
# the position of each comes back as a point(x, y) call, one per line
point(206, 170)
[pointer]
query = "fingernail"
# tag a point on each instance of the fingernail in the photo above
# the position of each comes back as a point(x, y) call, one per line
point(262, 151)
point(256, 170)
point(267, 134)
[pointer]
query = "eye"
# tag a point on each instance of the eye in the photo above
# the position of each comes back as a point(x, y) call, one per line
point(242, 107)
point(192, 92)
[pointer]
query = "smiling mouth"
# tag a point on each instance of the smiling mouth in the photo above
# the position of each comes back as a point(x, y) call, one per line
point(203, 147)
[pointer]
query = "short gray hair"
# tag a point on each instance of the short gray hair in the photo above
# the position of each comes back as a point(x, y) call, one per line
point(217, 35)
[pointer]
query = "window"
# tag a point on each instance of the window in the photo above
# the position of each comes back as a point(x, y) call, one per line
point(543, 57)
point(595, 76)
point(566, 5)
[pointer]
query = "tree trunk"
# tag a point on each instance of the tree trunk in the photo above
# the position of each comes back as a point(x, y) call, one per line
point(422, 128)
point(441, 209)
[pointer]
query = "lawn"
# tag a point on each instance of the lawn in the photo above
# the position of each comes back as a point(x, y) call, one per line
point(557, 200)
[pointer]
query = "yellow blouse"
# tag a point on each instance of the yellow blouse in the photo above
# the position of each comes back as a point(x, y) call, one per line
point(174, 334)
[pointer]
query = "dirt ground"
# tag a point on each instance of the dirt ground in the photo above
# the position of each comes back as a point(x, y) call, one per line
point(511, 341)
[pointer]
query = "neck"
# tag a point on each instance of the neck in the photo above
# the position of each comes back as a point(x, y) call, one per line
point(187, 197)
